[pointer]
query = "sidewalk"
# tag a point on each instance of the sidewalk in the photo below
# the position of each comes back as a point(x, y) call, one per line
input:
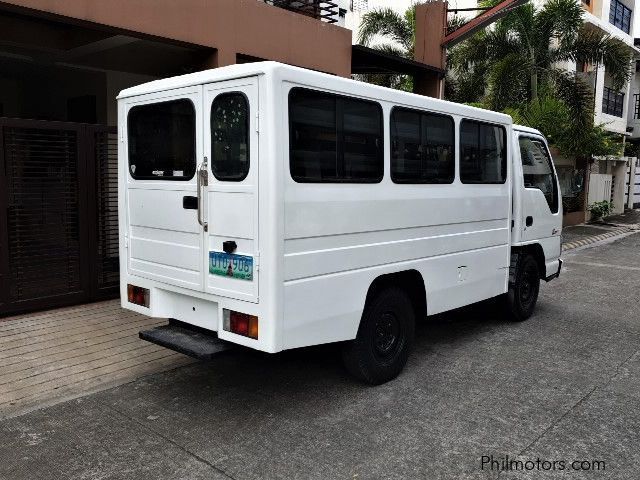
point(613, 226)
point(50, 356)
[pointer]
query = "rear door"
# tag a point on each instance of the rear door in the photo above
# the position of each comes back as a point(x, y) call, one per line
point(163, 147)
point(231, 257)
point(541, 202)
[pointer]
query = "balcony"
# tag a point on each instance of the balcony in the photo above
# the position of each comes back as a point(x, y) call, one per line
point(612, 102)
point(325, 11)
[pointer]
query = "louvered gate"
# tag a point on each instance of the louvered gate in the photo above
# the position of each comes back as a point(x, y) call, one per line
point(58, 214)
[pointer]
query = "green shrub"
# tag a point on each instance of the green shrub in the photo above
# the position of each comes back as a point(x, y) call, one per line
point(600, 209)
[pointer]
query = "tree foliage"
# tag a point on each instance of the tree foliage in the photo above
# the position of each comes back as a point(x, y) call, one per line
point(514, 66)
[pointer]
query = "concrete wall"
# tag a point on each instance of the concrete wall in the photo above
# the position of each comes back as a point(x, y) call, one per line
point(232, 27)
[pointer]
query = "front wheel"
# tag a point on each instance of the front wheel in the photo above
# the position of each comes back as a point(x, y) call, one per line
point(384, 339)
point(524, 287)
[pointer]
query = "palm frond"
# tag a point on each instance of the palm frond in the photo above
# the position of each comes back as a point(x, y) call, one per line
point(387, 23)
point(559, 20)
point(575, 93)
point(593, 46)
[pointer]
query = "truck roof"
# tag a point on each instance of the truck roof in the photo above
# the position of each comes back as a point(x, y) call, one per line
point(294, 74)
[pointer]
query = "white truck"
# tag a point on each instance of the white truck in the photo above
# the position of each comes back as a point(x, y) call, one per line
point(275, 207)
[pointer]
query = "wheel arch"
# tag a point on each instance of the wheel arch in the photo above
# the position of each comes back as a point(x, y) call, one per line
point(535, 250)
point(411, 281)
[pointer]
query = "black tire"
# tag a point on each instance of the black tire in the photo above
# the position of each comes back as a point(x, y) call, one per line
point(524, 287)
point(384, 339)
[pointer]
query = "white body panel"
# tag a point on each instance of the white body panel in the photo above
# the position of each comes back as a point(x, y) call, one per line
point(317, 247)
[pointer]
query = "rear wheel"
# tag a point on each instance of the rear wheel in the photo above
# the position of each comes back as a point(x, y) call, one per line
point(524, 286)
point(384, 340)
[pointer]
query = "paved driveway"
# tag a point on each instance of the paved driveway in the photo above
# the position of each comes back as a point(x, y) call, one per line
point(561, 387)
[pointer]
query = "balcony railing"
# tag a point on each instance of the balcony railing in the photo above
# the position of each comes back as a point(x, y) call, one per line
point(326, 11)
point(636, 106)
point(612, 102)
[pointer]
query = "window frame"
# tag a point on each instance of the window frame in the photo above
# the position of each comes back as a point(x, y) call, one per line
point(421, 113)
point(248, 130)
point(505, 160)
point(339, 142)
point(617, 19)
point(556, 188)
point(195, 141)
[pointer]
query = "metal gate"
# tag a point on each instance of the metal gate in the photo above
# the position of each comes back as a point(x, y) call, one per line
point(58, 214)
point(632, 189)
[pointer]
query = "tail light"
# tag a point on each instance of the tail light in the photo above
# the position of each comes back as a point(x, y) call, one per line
point(138, 295)
point(240, 323)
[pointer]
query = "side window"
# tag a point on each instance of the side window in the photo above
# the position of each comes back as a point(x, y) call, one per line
point(162, 140)
point(538, 170)
point(421, 147)
point(334, 138)
point(483, 153)
point(230, 137)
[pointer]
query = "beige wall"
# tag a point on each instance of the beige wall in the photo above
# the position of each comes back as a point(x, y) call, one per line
point(232, 27)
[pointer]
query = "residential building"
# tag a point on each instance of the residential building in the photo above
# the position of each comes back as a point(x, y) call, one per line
point(605, 177)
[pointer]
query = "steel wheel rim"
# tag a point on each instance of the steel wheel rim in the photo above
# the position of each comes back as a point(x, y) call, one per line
point(386, 335)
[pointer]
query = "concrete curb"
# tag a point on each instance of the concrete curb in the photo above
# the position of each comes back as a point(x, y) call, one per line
point(616, 232)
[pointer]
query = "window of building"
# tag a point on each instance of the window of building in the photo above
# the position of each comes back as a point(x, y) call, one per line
point(230, 137)
point(334, 138)
point(162, 140)
point(483, 153)
point(421, 147)
point(537, 170)
point(620, 16)
point(612, 102)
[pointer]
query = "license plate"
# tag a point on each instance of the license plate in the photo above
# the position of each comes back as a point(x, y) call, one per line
point(231, 265)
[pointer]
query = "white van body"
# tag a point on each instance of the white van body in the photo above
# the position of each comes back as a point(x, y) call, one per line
point(317, 248)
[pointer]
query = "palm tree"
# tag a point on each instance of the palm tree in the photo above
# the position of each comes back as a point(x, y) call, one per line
point(516, 59)
point(398, 31)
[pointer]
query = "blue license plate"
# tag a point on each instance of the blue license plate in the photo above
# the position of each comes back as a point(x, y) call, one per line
point(231, 265)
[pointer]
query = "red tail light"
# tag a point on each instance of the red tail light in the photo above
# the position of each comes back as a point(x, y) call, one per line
point(138, 295)
point(240, 323)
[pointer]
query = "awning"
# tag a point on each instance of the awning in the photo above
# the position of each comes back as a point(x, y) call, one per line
point(370, 60)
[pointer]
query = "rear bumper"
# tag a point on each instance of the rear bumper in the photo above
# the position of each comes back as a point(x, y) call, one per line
point(555, 275)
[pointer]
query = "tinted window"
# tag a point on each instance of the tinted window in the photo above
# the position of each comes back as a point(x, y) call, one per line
point(334, 138)
point(483, 153)
point(162, 140)
point(538, 171)
point(230, 137)
point(421, 147)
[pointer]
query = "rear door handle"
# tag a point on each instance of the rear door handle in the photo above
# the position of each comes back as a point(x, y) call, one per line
point(529, 221)
point(189, 202)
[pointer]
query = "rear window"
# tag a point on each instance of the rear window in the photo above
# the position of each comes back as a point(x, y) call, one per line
point(483, 153)
point(334, 138)
point(230, 137)
point(162, 141)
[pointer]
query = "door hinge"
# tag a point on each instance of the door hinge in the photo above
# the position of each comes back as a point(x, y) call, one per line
point(258, 121)
point(256, 261)
point(126, 241)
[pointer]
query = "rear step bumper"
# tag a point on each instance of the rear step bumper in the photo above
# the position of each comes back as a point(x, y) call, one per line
point(183, 338)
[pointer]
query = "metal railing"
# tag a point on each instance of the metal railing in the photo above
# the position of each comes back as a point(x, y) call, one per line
point(325, 11)
point(636, 106)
